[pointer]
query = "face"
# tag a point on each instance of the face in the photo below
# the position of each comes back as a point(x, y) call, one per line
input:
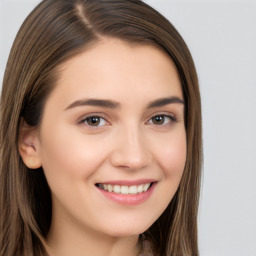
point(112, 141)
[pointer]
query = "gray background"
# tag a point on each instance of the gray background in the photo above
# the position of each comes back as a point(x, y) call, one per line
point(222, 38)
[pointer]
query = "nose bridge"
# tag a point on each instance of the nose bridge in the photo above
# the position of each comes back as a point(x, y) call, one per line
point(131, 149)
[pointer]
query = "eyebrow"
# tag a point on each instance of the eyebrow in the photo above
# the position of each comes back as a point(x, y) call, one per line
point(165, 101)
point(114, 105)
point(95, 102)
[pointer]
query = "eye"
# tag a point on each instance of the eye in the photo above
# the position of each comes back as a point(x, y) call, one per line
point(94, 121)
point(162, 120)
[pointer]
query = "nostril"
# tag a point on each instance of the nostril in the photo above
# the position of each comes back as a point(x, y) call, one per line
point(130, 160)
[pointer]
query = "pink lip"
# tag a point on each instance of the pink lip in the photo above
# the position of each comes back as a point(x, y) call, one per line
point(129, 199)
point(128, 182)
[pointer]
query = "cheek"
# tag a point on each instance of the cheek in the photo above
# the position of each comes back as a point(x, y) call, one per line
point(172, 155)
point(70, 153)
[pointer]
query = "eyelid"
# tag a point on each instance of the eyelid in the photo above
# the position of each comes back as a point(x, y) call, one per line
point(165, 114)
point(82, 120)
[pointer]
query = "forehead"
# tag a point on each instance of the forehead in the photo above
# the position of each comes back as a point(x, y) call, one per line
point(116, 69)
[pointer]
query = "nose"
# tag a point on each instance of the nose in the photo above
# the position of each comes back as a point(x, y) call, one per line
point(130, 150)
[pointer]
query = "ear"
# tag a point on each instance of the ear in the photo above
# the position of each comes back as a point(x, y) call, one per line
point(29, 145)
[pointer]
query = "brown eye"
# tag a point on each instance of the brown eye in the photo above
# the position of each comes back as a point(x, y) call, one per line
point(95, 121)
point(158, 120)
point(162, 120)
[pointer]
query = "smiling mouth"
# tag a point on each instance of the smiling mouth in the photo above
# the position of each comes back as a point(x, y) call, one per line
point(125, 190)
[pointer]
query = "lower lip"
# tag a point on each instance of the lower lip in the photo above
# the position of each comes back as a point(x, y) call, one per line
point(129, 199)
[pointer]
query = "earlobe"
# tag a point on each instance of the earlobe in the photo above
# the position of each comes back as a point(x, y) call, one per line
point(29, 145)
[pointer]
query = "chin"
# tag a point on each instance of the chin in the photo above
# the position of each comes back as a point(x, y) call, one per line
point(126, 230)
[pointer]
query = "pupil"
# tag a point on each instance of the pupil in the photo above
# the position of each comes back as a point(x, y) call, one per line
point(159, 119)
point(93, 121)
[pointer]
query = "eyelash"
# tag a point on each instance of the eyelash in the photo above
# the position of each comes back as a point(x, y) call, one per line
point(84, 121)
point(171, 118)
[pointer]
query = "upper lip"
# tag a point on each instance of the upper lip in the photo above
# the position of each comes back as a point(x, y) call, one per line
point(127, 182)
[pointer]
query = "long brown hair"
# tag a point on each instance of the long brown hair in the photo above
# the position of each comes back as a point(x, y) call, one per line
point(55, 31)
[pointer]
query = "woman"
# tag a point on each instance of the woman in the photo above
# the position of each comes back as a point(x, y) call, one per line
point(100, 134)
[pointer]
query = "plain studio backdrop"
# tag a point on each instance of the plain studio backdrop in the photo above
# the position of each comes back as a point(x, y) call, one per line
point(222, 38)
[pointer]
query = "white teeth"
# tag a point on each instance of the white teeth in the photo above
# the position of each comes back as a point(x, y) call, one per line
point(140, 188)
point(117, 189)
point(124, 190)
point(146, 186)
point(133, 190)
point(110, 189)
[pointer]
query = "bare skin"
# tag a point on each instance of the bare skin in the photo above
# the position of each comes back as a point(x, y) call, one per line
point(115, 116)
